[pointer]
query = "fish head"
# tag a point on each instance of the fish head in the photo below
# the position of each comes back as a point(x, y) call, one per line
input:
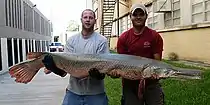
point(164, 72)
point(185, 73)
point(150, 70)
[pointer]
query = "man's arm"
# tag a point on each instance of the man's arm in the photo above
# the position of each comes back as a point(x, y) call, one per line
point(157, 50)
point(121, 44)
point(68, 47)
point(102, 49)
point(157, 47)
point(157, 56)
point(49, 64)
point(121, 49)
point(51, 67)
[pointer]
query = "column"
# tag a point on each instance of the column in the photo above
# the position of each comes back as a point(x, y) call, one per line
point(4, 54)
point(24, 49)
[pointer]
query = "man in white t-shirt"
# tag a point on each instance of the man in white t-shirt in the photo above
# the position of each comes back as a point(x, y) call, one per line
point(90, 91)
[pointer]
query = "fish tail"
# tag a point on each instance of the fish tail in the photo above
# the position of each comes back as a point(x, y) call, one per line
point(25, 71)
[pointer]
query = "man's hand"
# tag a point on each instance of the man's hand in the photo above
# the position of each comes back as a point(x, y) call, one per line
point(51, 67)
point(154, 76)
point(94, 73)
point(46, 71)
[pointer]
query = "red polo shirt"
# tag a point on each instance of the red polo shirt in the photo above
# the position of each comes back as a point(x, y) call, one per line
point(146, 44)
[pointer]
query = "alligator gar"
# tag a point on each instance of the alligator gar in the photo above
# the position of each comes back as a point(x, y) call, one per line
point(77, 65)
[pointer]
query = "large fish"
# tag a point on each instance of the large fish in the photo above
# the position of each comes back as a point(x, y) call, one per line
point(77, 65)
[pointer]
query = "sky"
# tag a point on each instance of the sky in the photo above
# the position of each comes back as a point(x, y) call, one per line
point(60, 12)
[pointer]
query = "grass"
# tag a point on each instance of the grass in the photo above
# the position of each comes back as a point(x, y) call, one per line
point(177, 92)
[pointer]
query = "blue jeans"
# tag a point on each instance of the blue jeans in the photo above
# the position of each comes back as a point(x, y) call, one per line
point(74, 99)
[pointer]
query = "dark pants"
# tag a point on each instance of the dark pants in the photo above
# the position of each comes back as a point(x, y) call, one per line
point(153, 94)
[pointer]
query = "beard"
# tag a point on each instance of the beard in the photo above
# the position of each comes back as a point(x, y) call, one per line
point(87, 27)
point(138, 24)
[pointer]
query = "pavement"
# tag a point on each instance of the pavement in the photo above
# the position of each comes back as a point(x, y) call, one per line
point(42, 90)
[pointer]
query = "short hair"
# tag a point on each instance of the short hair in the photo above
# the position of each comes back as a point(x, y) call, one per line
point(89, 10)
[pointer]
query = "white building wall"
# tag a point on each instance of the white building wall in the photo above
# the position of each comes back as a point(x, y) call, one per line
point(89, 4)
point(4, 55)
point(17, 33)
point(24, 49)
point(13, 55)
point(34, 46)
point(2, 13)
point(186, 12)
point(160, 20)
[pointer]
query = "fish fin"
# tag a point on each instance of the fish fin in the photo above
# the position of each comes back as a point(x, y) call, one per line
point(32, 55)
point(24, 72)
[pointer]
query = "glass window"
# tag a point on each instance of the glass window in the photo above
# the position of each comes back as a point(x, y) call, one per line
point(196, 18)
point(172, 18)
point(207, 16)
point(197, 8)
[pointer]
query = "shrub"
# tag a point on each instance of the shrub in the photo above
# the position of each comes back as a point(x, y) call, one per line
point(173, 56)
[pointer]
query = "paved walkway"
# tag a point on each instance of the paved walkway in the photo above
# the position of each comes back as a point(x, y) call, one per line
point(43, 90)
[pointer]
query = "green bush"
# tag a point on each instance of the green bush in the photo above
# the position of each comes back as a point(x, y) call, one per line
point(173, 56)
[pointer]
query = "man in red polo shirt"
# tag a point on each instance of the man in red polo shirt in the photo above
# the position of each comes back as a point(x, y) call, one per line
point(141, 41)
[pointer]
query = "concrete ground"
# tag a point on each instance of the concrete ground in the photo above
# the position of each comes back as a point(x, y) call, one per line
point(42, 90)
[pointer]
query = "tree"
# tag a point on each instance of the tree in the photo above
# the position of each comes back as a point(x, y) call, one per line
point(56, 38)
point(73, 26)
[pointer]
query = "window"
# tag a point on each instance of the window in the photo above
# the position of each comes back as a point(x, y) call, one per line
point(37, 22)
point(96, 12)
point(176, 12)
point(123, 26)
point(129, 22)
point(149, 22)
point(168, 20)
point(153, 22)
point(200, 11)
point(15, 49)
point(172, 18)
point(13, 13)
point(42, 25)
point(150, 15)
point(20, 50)
point(28, 17)
point(95, 4)
point(197, 12)
point(207, 10)
point(9, 52)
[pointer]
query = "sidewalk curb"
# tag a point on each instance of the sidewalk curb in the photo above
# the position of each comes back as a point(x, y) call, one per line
point(3, 72)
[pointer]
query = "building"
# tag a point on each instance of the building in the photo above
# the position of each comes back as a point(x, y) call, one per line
point(183, 24)
point(23, 29)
